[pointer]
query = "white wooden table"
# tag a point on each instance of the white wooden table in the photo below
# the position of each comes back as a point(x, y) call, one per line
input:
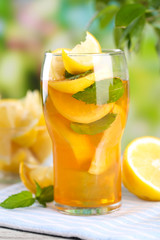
point(9, 234)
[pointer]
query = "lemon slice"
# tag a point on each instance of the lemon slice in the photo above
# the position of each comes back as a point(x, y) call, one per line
point(17, 155)
point(26, 136)
point(30, 173)
point(28, 119)
point(141, 168)
point(102, 159)
point(9, 109)
point(73, 86)
point(79, 144)
point(42, 146)
point(57, 66)
point(82, 62)
point(78, 111)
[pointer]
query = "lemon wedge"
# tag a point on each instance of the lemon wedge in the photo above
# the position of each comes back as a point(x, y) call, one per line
point(109, 142)
point(141, 168)
point(31, 173)
point(73, 86)
point(78, 111)
point(76, 64)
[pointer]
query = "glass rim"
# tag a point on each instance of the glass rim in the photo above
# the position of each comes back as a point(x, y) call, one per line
point(104, 52)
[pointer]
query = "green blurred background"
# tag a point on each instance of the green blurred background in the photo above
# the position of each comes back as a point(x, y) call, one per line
point(29, 27)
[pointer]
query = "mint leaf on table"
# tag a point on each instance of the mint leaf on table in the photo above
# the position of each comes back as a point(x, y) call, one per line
point(25, 198)
point(70, 76)
point(101, 92)
point(38, 190)
point(19, 200)
point(94, 127)
point(45, 196)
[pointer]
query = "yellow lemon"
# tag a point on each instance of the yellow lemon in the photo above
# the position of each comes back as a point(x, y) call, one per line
point(75, 63)
point(57, 66)
point(31, 173)
point(80, 144)
point(141, 168)
point(73, 86)
point(78, 111)
point(110, 139)
point(42, 146)
point(26, 136)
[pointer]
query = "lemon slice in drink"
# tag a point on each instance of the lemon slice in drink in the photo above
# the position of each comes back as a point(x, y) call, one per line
point(78, 111)
point(141, 168)
point(81, 63)
point(73, 86)
point(30, 173)
point(80, 144)
point(57, 65)
point(111, 136)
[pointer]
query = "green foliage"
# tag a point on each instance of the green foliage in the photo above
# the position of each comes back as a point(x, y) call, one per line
point(94, 127)
point(130, 18)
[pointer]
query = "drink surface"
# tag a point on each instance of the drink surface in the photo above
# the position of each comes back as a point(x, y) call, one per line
point(86, 116)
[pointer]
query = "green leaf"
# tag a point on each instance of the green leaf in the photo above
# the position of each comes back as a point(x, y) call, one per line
point(157, 30)
point(154, 3)
point(19, 200)
point(73, 77)
point(133, 31)
point(100, 4)
point(46, 195)
point(128, 13)
point(94, 127)
point(101, 92)
point(38, 189)
point(107, 14)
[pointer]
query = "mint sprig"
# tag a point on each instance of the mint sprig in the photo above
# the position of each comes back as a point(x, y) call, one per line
point(94, 127)
point(26, 199)
point(19, 200)
point(70, 76)
point(101, 92)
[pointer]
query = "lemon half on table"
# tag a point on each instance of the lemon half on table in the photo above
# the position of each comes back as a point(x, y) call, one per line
point(141, 168)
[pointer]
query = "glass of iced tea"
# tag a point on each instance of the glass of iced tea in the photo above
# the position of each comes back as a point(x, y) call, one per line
point(85, 112)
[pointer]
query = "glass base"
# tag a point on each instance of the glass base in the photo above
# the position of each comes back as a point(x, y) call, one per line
point(80, 211)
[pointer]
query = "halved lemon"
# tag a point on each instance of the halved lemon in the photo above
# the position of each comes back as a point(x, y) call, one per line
point(31, 173)
point(76, 64)
point(78, 111)
point(141, 168)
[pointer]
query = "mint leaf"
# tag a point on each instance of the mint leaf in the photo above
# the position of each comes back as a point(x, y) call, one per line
point(94, 127)
point(45, 196)
point(25, 199)
point(38, 190)
point(19, 200)
point(73, 77)
point(101, 92)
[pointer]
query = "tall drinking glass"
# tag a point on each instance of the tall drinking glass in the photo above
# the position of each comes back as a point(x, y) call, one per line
point(86, 116)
